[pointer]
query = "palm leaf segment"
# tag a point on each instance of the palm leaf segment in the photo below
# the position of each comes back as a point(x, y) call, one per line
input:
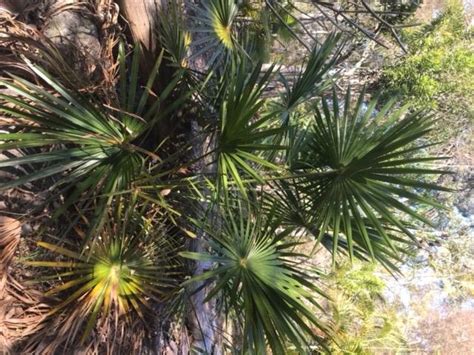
point(130, 264)
point(242, 132)
point(257, 274)
point(360, 168)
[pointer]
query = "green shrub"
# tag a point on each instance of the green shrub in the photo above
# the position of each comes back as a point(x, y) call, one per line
point(363, 322)
point(439, 62)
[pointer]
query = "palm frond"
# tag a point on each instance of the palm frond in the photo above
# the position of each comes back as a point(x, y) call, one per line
point(10, 230)
point(173, 36)
point(356, 174)
point(213, 30)
point(243, 130)
point(85, 145)
point(129, 266)
point(257, 273)
point(314, 79)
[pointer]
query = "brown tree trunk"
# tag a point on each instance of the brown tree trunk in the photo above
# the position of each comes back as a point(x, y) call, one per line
point(141, 16)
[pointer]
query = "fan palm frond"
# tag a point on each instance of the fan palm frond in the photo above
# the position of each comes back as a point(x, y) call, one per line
point(84, 145)
point(292, 205)
point(314, 79)
point(173, 36)
point(357, 172)
point(214, 31)
point(257, 273)
point(131, 264)
point(243, 129)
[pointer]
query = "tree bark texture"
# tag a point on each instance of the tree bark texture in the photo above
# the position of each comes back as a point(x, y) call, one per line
point(142, 16)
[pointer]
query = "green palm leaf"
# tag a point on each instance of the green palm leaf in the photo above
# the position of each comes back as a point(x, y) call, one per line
point(85, 145)
point(257, 274)
point(314, 79)
point(243, 129)
point(357, 172)
point(291, 203)
point(213, 30)
point(173, 36)
point(97, 142)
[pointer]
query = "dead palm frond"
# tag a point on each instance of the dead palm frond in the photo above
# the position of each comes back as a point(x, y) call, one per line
point(10, 230)
point(21, 312)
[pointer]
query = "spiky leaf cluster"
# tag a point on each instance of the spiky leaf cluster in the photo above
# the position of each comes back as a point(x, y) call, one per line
point(205, 130)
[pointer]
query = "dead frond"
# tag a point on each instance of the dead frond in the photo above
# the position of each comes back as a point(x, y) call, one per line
point(21, 313)
point(10, 230)
point(60, 54)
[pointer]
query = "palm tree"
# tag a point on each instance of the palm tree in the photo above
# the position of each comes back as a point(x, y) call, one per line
point(157, 217)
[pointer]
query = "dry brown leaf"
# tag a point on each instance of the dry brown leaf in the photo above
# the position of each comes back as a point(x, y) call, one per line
point(10, 230)
point(21, 312)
